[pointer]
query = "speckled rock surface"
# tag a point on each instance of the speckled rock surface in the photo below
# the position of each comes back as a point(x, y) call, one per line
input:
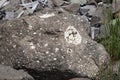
point(79, 1)
point(47, 42)
point(8, 73)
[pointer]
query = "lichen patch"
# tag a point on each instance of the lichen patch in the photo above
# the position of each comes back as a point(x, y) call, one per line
point(72, 36)
point(47, 15)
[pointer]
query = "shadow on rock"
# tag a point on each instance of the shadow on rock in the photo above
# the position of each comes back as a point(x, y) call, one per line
point(51, 75)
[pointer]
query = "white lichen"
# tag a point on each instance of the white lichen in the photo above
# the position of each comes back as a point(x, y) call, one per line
point(47, 15)
point(34, 33)
point(30, 27)
point(72, 36)
point(56, 49)
point(69, 50)
point(38, 61)
point(54, 59)
point(46, 45)
point(32, 47)
point(47, 52)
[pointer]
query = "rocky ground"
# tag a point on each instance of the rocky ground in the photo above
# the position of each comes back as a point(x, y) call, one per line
point(52, 40)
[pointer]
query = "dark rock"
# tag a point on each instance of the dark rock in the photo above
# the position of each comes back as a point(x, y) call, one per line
point(108, 1)
point(8, 73)
point(51, 42)
point(95, 21)
point(2, 14)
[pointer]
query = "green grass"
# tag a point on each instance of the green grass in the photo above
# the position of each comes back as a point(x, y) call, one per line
point(111, 39)
point(109, 74)
point(111, 42)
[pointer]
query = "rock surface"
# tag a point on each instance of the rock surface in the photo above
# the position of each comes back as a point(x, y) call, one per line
point(80, 79)
point(81, 2)
point(58, 2)
point(72, 8)
point(48, 42)
point(8, 73)
point(116, 8)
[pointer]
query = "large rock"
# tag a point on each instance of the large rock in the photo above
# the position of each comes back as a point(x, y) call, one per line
point(51, 42)
point(58, 2)
point(12, 6)
point(72, 8)
point(8, 73)
point(91, 9)
point(82, 2)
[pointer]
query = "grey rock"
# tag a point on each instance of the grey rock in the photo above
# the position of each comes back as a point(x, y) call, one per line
point(58, 2)
point(84, 11)
point(91, 9)
point(116, 8)
point(94, 32)
point(92, 2)
point(30, 6)
point(3, 3)
point(9, 15)
point(12, 6)
point(104, 31)
point(116, 68)
point(80, 79)
point(72, 8)
point(8, 73)
point(98, 12)
point(48, 3)
point(81, 2)
point(48, 42)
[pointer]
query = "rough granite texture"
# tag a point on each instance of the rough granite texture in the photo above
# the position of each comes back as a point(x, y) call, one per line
point(51, 42)
point(8, 73)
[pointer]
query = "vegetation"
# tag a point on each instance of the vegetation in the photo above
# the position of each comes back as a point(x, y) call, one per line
point(111, 39)
point(110, 74)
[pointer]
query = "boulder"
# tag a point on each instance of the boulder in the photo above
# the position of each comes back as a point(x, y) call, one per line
point(12, 6)
point(58, 2)
point(91, 9)
point(72, 8)
point(8, 73)
point(48, 42)
point(81, 2)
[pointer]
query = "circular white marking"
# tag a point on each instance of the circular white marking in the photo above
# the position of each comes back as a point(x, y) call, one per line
point(71, 35)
